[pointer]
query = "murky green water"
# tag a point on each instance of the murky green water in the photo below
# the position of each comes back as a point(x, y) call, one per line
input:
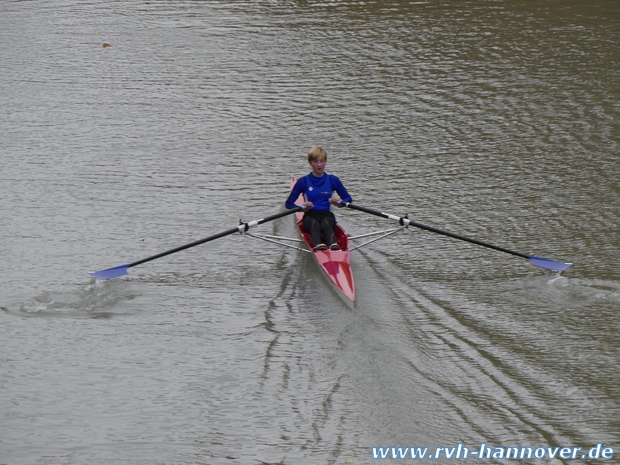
point(494, 120)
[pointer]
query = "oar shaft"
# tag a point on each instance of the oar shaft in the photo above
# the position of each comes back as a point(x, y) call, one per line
point(117, 271)
point(241, 228)
point(406, 221)
point(186, 246)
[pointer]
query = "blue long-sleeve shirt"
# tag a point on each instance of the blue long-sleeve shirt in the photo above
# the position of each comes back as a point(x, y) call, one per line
point(318, 191)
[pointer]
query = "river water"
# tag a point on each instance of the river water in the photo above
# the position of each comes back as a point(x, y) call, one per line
point(497, 120)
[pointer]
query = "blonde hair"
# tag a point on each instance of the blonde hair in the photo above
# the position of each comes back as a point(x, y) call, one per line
point(315, 153)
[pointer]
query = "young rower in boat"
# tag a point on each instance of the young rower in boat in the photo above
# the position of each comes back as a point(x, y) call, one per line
point(318, 188)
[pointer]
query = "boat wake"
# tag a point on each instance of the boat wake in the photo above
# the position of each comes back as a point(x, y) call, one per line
point(504, 358)
point(102, 299)
point(449, 362)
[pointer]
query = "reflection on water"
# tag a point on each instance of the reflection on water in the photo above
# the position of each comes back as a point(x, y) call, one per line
point(494, 120)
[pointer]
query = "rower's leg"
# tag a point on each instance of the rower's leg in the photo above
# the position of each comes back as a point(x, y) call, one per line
point(313, 227)
point(327, 228)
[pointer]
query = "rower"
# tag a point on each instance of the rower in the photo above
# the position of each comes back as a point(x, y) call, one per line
point(318, 188)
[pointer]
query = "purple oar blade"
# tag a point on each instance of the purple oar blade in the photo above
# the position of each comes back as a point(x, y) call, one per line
point(549, 264)
point(110, 272)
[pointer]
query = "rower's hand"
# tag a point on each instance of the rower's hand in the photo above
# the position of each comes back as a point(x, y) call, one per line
point(335, 200)
point(308, 205)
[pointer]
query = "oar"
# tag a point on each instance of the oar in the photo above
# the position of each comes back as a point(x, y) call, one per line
point(122, 270)
point(542, 262)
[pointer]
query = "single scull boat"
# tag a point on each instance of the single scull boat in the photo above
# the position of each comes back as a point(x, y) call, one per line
point(335, 264)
